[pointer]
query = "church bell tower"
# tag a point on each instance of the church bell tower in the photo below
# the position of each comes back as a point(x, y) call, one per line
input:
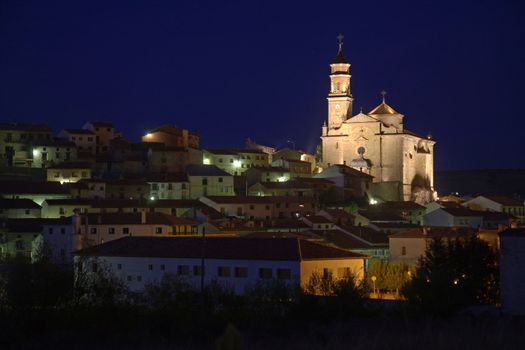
point(339, 99)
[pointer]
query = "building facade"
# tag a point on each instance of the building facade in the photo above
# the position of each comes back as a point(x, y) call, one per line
point(376, 142)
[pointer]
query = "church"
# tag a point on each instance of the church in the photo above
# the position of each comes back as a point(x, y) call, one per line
point(377, 143)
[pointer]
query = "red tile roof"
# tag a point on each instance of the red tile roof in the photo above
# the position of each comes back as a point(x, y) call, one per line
point(283, 249)
point(505, 201)
point(435, 232)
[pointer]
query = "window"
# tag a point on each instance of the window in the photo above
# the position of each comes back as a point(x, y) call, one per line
point(150, 267)
point(223, 271)
point(205, 181)
point(19, 245)
point(183, 270)
point(50, 230)
point(93, 230)
point(61, 211)
point(119, 266)
point(403, 250)
point(158, 230)
point(139, 278)
point(265, 273)
point(197, 270)
point(284, 274)
point(220, 179)
point(162, 267)
point(241, 272)
point(129, 278)
point(252, 207)
point(111, 230)
point(125, 230)
point(94, 267)
point(343, 272)
point(63, 230)
point(327, 273)
point(27, 211)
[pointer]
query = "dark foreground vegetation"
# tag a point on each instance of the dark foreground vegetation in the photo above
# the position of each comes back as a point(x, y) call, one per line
point(43, 306)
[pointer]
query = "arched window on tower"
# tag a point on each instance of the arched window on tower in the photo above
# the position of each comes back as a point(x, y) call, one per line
point(337, 87)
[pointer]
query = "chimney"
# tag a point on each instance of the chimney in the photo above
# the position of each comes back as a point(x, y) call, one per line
point(143, 217)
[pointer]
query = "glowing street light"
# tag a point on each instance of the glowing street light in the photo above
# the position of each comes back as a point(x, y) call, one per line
point(151, 198)
point(374, 278)
point(36, 153)
point(373, 201)
point(206, 161)
point(281, 179)
point(237, 163)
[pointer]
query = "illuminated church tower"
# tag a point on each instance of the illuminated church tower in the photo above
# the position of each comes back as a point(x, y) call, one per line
point(377, 142)
point(340, 98)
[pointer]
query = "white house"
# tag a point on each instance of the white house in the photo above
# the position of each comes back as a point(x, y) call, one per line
point(65, 235)
point(500, 204)
point(512, 271)
point(451, 217)
point(235, 263)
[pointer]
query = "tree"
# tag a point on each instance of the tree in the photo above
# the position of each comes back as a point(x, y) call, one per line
point(390, 276)
point(454, 274)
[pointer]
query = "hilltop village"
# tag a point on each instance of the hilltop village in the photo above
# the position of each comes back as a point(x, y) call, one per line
point(145, 208)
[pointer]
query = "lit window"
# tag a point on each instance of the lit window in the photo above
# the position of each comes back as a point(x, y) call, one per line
point(284, 274)
point(241, 272)
point(223, 271)
point(265, 273)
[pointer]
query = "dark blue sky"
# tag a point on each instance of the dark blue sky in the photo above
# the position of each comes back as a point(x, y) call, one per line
point(259, 69)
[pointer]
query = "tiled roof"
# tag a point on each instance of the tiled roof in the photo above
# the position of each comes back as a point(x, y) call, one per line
point(366, 233)
point(462, 212)
point(205, 170)
point(283, 249)
point(31, 187)
point(233, 151)
point(79, 131)
point(435, 232)
point(135, 219)
point(505, 201)
point(272, 234)
point(408, 205)
point(285, 223)
point(26, 225)
point(18, 204)
point(344, 240)
point(166, 177)
point(70, 201)
point(375, 215)
point(317, 219)
point(338, 214)
point(258, 200)
point(270, 169)
point(383, 108)
point(25, 127)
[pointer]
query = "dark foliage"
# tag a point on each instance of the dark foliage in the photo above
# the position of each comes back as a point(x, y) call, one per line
point(452, 275)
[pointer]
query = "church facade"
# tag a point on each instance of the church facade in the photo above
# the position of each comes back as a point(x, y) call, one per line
point(377, 143)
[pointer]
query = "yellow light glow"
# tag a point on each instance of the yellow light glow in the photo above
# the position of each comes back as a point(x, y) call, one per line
point(373, 201)
point(148, 135)
point(206, 161)
point(237, 163)
point(36, 153)
point(282, 179)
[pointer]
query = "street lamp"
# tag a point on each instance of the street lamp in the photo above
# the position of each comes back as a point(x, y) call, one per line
point(374, 278)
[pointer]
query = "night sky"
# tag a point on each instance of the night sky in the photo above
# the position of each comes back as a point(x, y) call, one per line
point(233, 70)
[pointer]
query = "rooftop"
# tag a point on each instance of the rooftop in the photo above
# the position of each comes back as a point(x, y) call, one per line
point(79, 131)
point(283, 249)
point(435, 232)
point(18, 204)
point(505, 201)
point(205, 170)
point(25, 127)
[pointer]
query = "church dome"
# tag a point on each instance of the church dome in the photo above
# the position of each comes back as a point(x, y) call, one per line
point(383, 108)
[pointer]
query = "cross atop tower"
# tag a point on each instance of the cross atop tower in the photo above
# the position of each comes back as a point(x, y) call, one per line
point(340, 38)
point(383, 93)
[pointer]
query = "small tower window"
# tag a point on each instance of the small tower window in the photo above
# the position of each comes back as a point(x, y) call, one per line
point(337, 87)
